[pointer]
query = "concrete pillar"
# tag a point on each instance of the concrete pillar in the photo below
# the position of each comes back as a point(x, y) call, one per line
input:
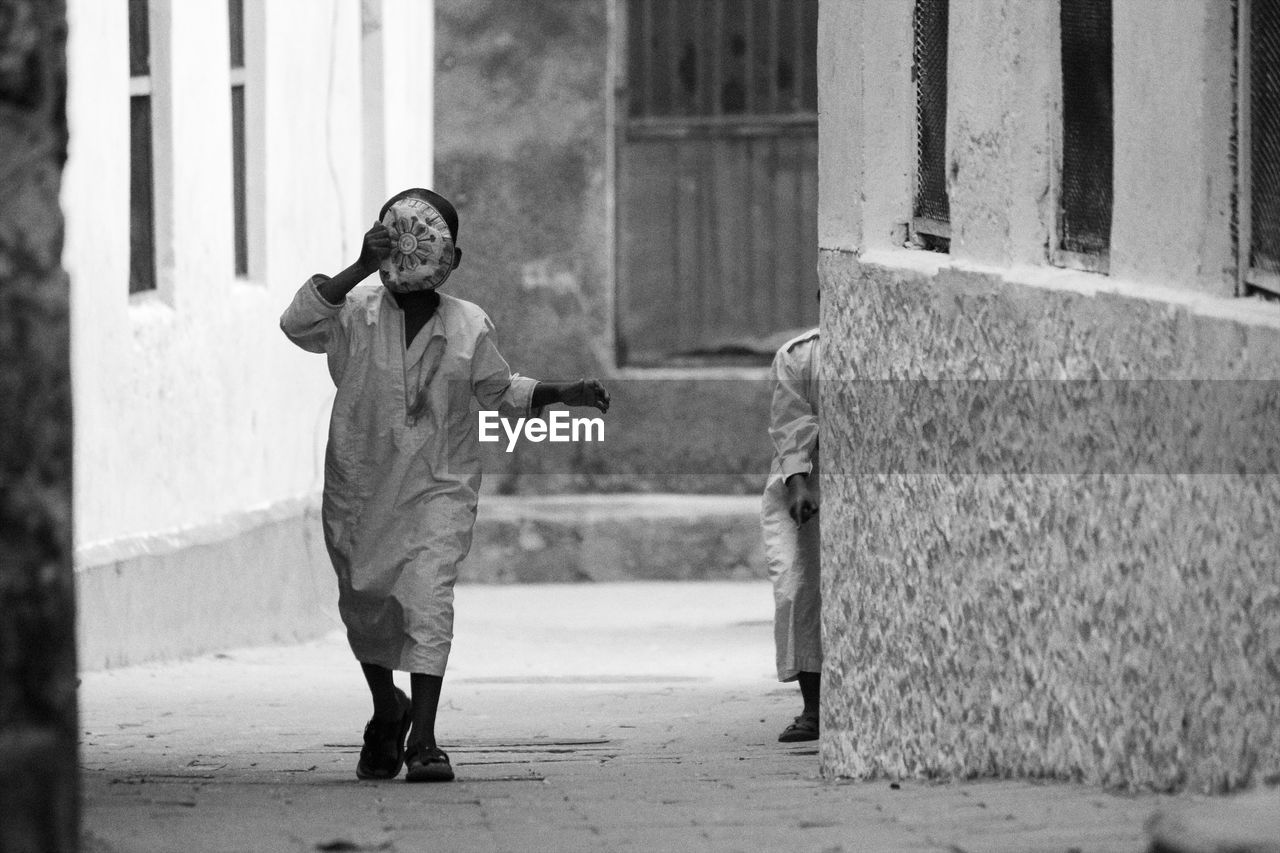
point(38, 766)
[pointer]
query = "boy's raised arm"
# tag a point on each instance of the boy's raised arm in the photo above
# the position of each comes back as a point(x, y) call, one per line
point(375, 247)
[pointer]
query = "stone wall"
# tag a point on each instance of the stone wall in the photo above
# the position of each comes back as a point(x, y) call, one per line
point(1113, 618)
point(38, 730)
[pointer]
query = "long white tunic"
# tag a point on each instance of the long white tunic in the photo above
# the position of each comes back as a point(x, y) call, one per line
point(792, 553)
point(402, 466)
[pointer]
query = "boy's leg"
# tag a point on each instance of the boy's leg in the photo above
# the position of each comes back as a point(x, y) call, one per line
point(426, 700)
point(386, 702)
point(427, 762)
point(382, 755)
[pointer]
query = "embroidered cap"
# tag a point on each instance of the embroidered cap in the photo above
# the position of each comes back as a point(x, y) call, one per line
point(422, 245)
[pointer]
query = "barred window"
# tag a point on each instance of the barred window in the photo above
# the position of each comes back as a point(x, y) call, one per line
point(1085, 196)
point(1260, 157)
point(931, 212)
point(142, 209)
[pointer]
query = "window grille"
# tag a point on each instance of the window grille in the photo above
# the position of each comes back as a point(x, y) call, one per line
point(932, 208)
point(142, 211)
point(1087, 126)
point(1262, 109)
point(235, 12)
point(722, 58)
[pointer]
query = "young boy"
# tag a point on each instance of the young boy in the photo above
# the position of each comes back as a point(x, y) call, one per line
point(402, 466)
point(791, 534)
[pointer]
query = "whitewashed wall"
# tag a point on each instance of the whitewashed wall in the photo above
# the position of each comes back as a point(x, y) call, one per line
point(196, 422)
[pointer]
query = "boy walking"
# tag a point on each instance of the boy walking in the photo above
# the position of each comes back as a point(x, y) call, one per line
point(402, 465)
point(791, 534)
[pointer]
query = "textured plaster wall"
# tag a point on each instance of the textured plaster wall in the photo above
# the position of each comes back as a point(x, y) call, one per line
point(1120, 628)
point(38, 729)
point(524, 140)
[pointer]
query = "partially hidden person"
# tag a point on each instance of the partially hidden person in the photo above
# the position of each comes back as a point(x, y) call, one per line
point(402, 465)
point(789, 518)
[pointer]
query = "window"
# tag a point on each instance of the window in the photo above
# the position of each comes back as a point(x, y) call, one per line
point(239, 193)
point(717, 178)
point(142, 209)
point(1085, 192)
point(1259, 161)
point(931, 211)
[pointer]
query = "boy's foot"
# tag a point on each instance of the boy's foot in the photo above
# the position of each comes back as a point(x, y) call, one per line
point(805, 727)
point(428, 765)
point(383, 753)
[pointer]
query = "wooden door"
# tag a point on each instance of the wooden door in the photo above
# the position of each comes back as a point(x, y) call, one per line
point(717, 178)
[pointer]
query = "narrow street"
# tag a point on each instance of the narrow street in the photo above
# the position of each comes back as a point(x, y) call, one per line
point(633, 716)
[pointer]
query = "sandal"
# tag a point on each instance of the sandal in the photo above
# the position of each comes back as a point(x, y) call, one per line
point(428, 765)
point(382, 755)
point(805, 727)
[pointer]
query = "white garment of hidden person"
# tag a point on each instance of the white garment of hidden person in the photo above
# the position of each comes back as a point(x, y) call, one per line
point(792, 553)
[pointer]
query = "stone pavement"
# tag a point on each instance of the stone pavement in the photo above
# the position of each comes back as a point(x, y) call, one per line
point(627, 716)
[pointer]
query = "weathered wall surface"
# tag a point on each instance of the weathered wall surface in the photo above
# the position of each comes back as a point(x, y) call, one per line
point(523, 147)
point(1119, 628)
point(1026, 581)
point(38, 730)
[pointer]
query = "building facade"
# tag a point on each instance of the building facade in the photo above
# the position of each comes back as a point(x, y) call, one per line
point(221, 151)
point(1051, 497)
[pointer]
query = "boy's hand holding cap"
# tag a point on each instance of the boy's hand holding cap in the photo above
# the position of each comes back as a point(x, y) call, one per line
point(375, 248)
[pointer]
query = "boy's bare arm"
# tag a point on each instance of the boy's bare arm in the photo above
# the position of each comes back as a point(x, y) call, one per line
point(375, 247)
point(584, 392)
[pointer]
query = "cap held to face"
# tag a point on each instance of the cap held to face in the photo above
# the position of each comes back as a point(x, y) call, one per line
point(422, 247)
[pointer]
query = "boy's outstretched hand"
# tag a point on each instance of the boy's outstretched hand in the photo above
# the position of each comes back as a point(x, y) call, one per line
point(376, 247)
point(586, 392)
point(802, 503)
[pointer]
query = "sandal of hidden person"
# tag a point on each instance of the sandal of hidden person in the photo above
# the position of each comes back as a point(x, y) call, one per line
point(804, 728)
point(428, 765)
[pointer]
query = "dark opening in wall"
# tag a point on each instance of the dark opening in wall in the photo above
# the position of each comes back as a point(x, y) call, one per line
point(142, 210)
point(1087, 128)
point(931, 211)
point(235, 15)
point(1263, 268)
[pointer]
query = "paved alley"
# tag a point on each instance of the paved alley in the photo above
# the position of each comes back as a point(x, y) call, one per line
point(630, 716)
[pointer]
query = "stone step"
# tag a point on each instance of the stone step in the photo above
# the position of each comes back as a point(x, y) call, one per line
point(615, 537)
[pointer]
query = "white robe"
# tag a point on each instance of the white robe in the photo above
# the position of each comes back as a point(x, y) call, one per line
point(402, 466)
point(792, 553)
